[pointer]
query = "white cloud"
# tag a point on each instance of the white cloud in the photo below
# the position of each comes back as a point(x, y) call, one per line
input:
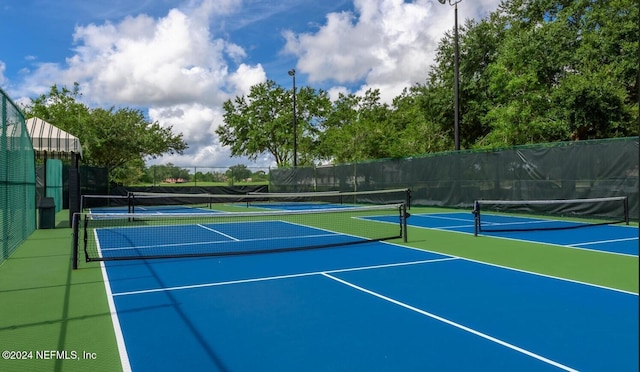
point(334, 93)
point(388, 44)
point(198, 124)
point(142, 61)
point(385, 43)
point(245, 77)
point(182, 70)
point(171, 65)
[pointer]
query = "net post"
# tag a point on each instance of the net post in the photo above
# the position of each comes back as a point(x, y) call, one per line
point(626, 210)
point(130, 202)
point(476, 218)
point(75, 237)
point(86, 235)
point(405, 215)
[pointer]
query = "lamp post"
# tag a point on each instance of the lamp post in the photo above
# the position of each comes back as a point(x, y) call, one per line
point(456, 73)
point(292, 73)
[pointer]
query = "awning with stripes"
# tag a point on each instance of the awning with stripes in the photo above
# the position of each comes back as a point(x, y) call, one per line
point(51, 142)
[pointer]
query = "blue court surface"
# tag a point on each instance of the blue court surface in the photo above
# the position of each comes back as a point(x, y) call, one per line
point(617, 239)
point(298, 206)
point(161, 209)
point(367, 307)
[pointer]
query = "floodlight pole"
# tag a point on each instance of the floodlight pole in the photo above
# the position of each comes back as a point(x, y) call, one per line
point(292, 73)
point(456, 74)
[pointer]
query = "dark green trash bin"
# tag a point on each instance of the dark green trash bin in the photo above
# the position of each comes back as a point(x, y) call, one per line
point(47, 213)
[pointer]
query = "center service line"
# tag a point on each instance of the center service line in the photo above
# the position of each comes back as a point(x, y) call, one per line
point(452, 323)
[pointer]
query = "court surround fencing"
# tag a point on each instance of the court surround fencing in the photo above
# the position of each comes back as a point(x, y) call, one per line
point(563, 170)
point(17, 179)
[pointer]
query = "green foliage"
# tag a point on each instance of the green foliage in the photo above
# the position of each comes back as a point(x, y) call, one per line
point(237, 173)
point(532, 71)
point(172, 174)
point(209, 177)
point(117, 139)
point(262, 122)
point(565, 70)
point(164, 172)
point(358, 128)
point(423, 125)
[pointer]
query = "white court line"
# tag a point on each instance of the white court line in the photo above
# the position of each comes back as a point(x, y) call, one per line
point(219, 232)
point(574, 246)
point(448, 228)
point(122, 348)
point(215, 284)
point(602, 242)
point(441, 217)
point(454, 324)
point(213, 242)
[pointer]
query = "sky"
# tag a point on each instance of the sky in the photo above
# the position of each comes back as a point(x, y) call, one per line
point(178, 60)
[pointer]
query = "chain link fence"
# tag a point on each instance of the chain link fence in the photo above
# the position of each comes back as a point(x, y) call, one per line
point(17, 179)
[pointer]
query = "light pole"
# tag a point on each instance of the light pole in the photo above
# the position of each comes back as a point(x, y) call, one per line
point(456, 73)
point(292, 73)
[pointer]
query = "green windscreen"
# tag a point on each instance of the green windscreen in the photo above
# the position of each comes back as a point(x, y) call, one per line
point(17, 179)
point(552, 171)
point(54, 182)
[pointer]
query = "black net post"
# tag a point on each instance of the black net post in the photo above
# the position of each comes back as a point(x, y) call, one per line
point(626, 210)
point(75, 224)
point(404, 215)
point(74, 191)
point(131, 201)
point(476, 218)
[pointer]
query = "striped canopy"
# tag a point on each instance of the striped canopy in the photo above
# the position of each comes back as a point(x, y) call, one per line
point(51, 142)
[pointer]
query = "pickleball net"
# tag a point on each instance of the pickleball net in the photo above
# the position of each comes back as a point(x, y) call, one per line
point(145, 202)
point(104, 203)
point(129, 236)
point(532, 215)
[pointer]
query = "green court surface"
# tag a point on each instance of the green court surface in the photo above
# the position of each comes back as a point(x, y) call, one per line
point(47, 308)
point(56, 319)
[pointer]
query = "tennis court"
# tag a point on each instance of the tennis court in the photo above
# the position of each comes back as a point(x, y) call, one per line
point(368, 306)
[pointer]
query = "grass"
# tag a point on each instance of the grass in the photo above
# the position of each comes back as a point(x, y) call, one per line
point(44, 305)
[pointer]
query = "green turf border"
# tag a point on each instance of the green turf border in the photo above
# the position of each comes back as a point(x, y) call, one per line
point(52, 313)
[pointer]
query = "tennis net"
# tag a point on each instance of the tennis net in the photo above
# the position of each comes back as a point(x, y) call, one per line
point(127, 236)
point(515, 215)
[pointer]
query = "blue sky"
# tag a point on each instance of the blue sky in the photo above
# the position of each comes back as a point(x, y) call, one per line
point(179, 60)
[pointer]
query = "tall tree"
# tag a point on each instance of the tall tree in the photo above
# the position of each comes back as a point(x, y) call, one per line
point(532, 71)
point(565, 70)
point(262, 122)
point(117, 137)
point(238, 172)
point(61, 107)
point(359, 128)
point(418, 124)
point(111, 138)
